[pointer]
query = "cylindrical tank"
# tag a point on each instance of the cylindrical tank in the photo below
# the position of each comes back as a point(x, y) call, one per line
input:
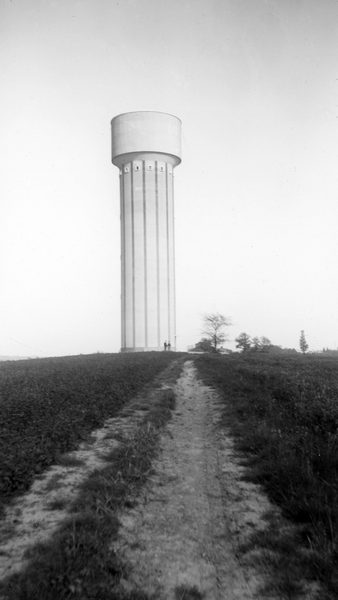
point(146, 146)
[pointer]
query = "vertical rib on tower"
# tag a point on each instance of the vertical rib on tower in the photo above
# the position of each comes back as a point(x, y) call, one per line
point(146, 146)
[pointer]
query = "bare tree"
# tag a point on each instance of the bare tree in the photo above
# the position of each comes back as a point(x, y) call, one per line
point(214, 324)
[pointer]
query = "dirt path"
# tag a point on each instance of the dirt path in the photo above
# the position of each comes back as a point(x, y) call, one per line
point(181, 539)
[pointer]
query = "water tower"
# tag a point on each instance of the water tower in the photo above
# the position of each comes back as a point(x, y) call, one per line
point(146, 146)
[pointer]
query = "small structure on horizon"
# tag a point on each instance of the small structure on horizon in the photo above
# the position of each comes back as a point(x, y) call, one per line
point(146, 146)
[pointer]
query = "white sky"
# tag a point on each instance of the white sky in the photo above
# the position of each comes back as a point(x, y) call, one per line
point(255, 83)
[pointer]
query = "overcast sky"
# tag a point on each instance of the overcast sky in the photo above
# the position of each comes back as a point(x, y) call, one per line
point(255, 83)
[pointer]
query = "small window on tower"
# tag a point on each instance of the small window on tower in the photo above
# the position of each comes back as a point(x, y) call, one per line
point(126, 169)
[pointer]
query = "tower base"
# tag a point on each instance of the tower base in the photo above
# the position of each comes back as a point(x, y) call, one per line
point(157, 349)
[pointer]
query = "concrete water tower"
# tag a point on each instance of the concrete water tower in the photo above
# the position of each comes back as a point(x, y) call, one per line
point(146, 146)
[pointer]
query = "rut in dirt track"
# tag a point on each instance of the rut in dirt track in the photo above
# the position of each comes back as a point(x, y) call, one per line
point(182, 534)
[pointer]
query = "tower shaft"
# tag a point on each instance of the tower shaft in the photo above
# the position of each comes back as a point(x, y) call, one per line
point(147, 254)
point(148, 312)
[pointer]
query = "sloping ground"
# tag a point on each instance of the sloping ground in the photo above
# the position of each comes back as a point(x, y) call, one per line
point(186, 519)
point(184, 538)
point(48, 406)
point(34, 517)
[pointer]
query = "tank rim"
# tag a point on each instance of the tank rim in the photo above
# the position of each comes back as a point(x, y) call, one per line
point(158, 112)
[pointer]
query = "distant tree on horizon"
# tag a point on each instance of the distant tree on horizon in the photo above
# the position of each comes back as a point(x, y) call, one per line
point(331, 351)
point(265, 342)
point(255, 344)
point(261, 343)
point(214, 325)
point(243, 342)
point(304, 346)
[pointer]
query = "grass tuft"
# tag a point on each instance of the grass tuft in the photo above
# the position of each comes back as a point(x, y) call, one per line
point(67, 460)
point(183, 592)
point(57, 504)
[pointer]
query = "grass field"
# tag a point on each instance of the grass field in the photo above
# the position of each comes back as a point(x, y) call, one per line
point(283, 411)
point(80, 561)
point(47, 406)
